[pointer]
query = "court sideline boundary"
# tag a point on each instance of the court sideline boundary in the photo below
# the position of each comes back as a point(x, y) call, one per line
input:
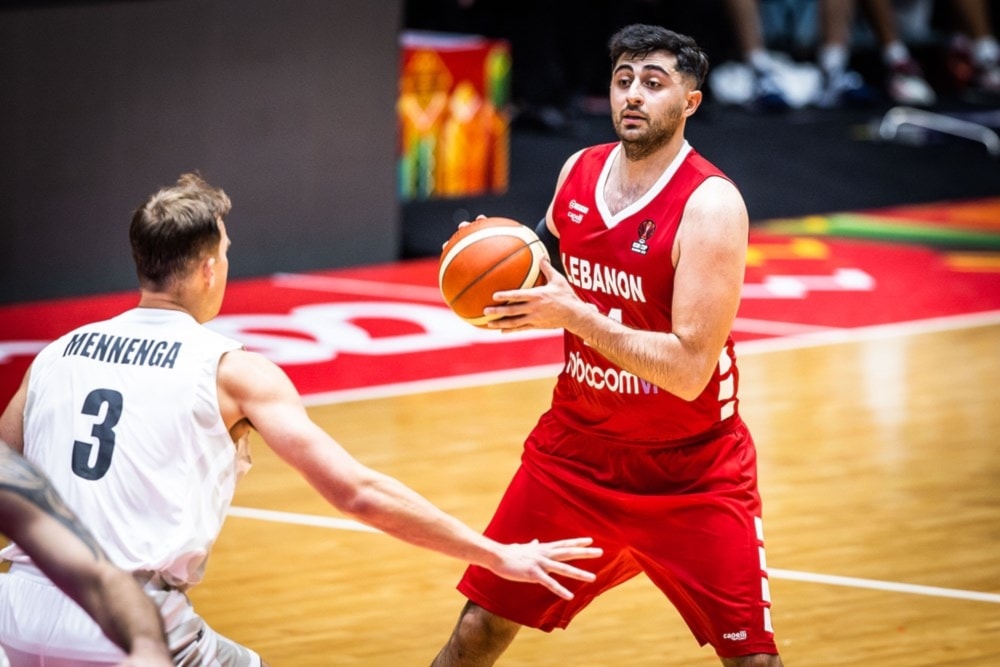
point(337, 523)
point(764, 346)
point(832, 336)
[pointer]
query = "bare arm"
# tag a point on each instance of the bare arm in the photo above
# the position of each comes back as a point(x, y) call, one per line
point(12, 419)
point(563, 174)
point(253, 388)
point(710, 256)
point(34, 516)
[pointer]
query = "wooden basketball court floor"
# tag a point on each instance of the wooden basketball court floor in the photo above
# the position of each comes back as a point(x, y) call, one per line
point(869, 348)
point(880, 476)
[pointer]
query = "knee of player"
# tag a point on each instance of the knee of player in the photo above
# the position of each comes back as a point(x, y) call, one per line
point(478, 624)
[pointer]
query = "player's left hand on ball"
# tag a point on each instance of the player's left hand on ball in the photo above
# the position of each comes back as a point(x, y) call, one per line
point(549, 306)
point(536, 562)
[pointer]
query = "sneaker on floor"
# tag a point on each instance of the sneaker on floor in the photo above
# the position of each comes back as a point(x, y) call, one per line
point(958, 61)
point(987, 78)
point(767, 94)
point(907, 85)
point(846, 88)
point(969, 75)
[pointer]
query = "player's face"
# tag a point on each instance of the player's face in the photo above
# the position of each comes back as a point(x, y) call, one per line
point(649, 101)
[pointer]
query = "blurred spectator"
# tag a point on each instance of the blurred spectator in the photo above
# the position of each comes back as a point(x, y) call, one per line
point(770, 80)
point(766, 92)
point(554, 75)
point(776, 82)
point(905, 82)
point(974, 54)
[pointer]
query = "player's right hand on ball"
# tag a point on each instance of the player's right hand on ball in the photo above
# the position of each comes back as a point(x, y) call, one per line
point(536, 562)
point(466, 223)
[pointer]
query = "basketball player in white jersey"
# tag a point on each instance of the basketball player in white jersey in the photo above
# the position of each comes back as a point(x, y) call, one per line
point(33, 514)
point(141, 423)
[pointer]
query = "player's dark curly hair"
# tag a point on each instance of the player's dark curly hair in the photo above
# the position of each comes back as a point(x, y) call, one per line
point(639, 40)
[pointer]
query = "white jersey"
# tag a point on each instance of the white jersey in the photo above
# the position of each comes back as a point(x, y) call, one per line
point(123, 416)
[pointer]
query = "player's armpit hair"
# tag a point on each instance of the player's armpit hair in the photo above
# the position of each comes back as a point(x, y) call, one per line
point(551, 244)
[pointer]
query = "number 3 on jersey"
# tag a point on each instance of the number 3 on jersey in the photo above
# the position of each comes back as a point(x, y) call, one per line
point(103, 431)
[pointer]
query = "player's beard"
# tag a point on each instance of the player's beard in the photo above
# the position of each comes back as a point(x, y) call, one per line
point(658, 133)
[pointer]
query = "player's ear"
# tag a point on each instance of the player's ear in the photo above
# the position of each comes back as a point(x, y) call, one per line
point(694, 98)
point(208, 271)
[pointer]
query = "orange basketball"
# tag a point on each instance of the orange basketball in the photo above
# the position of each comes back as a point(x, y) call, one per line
point(487, 256)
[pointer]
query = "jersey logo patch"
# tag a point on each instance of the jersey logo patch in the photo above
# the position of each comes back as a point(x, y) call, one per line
point(577, 211)
point(645, 232)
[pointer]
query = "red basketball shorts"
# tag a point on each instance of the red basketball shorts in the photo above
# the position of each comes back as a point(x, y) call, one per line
point(688, 517)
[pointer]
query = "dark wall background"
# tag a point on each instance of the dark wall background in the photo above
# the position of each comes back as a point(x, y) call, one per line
point(289, 105)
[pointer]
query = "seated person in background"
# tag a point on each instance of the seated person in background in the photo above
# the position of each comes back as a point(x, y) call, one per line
point(771, 91)
point(904, 82)
point(973, 56)
point(974, 53)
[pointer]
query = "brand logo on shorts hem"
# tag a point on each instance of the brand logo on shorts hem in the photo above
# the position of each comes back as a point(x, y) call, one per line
point(740, 636)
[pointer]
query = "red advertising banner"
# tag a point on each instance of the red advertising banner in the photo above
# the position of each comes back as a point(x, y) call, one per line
point(366, 328)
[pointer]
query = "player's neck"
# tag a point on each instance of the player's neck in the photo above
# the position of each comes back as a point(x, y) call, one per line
point(630, 179)
point(636, 161)
point(163, 301)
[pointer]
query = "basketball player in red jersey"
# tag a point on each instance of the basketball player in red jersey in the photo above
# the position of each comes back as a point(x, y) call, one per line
point(643, 447)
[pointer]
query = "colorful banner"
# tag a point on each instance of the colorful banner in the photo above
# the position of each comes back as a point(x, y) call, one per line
point(453, 116)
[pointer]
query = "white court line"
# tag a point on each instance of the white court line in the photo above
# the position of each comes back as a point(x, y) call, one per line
point(874, 332)
point(335, 523)
point(875, 584)
point(805, 340)
point(436, 384)
point(777, 328)
point(743, 349)
point(300, 519)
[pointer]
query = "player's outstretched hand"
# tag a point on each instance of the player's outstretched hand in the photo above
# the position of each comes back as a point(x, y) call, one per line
point(536, 562)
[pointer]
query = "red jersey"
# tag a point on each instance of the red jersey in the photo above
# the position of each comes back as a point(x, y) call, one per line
point(622, 264)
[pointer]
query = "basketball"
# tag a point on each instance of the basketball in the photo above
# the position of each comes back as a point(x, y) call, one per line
point(487, 256)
